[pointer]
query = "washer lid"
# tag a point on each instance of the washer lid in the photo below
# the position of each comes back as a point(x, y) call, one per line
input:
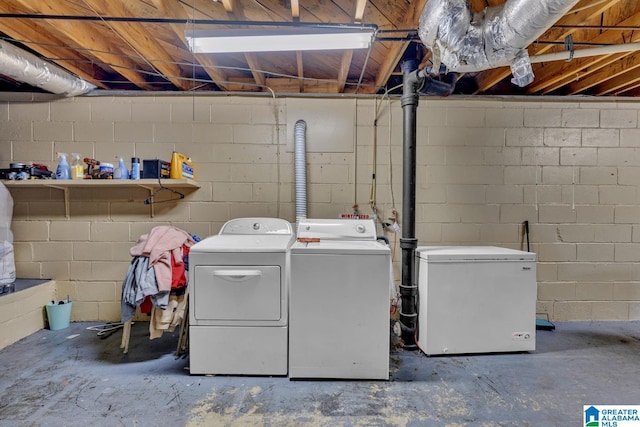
point(337, 229)
point(472, 253)
point(244, 243)
point(339, 247)
point(257, 226)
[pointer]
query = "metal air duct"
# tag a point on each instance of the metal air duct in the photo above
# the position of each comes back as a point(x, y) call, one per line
point(497, 36)
point(300, 146)
point(26, 67)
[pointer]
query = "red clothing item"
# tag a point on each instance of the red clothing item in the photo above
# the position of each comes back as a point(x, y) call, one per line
point(146, 305)
point(178, 277)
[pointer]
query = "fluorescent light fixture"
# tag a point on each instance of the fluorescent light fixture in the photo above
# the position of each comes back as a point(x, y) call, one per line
point(279, 40)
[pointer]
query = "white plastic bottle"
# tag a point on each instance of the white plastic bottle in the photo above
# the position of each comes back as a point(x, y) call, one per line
point(63, 171)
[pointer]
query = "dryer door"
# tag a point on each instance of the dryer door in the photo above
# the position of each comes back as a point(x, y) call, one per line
point(239, 292)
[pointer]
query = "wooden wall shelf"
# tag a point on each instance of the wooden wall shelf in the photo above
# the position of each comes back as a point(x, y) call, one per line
point(150, 185)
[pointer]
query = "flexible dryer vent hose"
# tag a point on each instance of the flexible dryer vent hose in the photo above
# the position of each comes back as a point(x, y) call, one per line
point(300, 169)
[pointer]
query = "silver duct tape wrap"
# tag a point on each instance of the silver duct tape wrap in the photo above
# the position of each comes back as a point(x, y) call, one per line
point(497, 36)
point(26, 67)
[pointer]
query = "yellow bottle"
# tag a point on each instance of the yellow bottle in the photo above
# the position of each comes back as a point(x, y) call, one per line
point(181, 167)
point(77, 168)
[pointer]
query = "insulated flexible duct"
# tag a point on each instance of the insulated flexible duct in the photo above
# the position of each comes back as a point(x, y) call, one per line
point(300, 169)
point(26, 67)
point(467, 42)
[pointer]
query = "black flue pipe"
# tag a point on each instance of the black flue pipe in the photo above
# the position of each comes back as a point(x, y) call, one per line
point(408, 241)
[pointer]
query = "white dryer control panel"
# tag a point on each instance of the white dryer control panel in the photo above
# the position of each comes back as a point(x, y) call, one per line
point(257, 226)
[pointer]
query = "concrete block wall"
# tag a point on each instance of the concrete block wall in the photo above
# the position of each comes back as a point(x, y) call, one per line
point(570, 168)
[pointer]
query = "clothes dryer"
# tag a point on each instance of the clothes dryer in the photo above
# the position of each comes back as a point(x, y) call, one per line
point(238, 301)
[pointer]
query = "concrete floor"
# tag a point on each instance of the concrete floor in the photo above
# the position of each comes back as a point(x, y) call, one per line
point(72, 377)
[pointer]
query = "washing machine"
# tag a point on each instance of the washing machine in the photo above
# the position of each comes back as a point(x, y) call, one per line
point(339, 301)
point(238, 299)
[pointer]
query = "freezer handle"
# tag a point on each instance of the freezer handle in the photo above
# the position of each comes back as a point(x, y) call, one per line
point(237, 275)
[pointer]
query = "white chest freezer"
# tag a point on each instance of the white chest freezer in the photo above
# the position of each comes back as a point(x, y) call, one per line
point(476, 299)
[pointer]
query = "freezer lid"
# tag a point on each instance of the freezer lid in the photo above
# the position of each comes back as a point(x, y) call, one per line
point(334, 247)
point(337, 229)
point(472, 253)
point(244, 243)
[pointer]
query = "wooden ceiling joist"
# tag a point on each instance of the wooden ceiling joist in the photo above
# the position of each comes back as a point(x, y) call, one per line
point(295, 9)
point(174, 10)
point(359, 13)
point(253, 65)
point(147, 47)
point(624, 73)
point(345, 64)
point(229, 6)
point(300, 66)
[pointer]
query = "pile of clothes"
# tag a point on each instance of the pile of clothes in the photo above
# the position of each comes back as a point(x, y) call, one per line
point(156, 280)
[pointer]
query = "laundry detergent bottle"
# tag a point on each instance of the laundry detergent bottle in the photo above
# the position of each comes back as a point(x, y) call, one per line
point(63, 171)
point(121, 171)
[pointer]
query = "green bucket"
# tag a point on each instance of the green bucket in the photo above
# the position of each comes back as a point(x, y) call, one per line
point(58, 314)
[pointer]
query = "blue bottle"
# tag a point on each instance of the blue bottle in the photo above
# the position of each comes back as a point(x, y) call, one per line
point(135, 168)
point(63, 171)
point(121, 171)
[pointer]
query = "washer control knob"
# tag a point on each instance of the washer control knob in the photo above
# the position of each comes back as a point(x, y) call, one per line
point(256, 226)
point(361, 228)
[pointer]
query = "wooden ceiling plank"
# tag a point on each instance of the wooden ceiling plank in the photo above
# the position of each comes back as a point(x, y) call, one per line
point(173, 10)
point(326, 12)
point(347, 56)
point(489, 78)
point(394, 11)
point(285, 85)
point(614, 78)
point(142, 42)
point(555, 72)
point(398, 49)
point(582, 72)
point(252, 60)
point(628, 90)
point(89, 37)
point(344, 69)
